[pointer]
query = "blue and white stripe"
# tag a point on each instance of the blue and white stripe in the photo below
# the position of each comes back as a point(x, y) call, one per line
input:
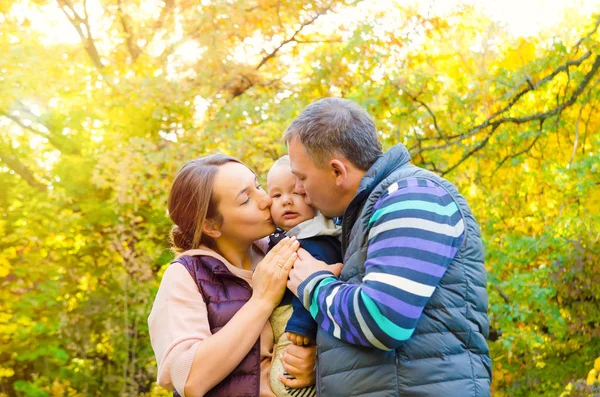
point(415, 232)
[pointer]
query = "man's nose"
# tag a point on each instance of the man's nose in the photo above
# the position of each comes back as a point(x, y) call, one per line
point(299, 187)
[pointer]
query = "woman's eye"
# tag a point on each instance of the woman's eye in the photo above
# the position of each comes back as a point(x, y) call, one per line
point(259, 187)
point(247, 201)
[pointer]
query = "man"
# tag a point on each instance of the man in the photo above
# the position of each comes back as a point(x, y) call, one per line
point(407, 316)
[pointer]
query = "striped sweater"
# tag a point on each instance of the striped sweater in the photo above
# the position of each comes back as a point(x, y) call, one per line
point(415, 231)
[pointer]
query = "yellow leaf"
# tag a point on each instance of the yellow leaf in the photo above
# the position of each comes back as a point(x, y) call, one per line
point(5, 267)
point(591, 378)
point(6, 372)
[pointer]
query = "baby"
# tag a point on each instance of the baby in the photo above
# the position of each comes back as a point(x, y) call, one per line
point(317, 235)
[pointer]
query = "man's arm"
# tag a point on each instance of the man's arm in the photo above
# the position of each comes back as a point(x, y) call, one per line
point(323, 248)
point(415, 232)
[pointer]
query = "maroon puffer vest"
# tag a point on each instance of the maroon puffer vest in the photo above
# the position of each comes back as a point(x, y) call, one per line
point(224, 295)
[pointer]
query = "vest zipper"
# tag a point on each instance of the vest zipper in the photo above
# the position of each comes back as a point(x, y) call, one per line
point(318, 376)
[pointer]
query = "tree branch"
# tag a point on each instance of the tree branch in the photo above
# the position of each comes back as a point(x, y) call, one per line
point(21, 169)
point(502, 294)
point(134, 50)
point(592, 111)
point(300, 41)
point(240, 83)
point(166, 10)
point(489, 122)
point(558, 109)
point(574, 151)
point(55, 140)
point(293, 37)
point(164, 13)
point(578, 44)
point(526, 150)
point(471, 152)
point(86, 37)
point(428, 109)
point(494, 124)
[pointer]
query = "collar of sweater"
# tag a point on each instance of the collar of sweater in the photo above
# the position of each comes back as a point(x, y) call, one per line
point(317, 226)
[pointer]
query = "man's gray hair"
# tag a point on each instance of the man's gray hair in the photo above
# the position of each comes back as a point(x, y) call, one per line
point(336, 126)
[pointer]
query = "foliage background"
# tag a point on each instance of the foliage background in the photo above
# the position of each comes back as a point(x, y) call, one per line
point(96, 120)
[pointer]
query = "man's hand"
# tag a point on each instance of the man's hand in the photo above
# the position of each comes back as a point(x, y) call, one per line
point(299, 362)
point(306, 265)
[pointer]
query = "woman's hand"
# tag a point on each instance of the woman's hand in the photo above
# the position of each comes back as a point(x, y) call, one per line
point(299, 361)
point(271, 274)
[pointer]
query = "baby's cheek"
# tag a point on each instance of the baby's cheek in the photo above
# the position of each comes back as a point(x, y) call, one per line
point(274, 208)
point(276, 215)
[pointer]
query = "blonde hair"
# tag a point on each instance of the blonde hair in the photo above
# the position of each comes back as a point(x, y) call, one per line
point(280, 162)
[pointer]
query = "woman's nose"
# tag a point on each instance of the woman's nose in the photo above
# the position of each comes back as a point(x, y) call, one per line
point(265, 202)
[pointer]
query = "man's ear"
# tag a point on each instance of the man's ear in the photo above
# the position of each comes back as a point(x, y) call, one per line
point(340, 172)
point(211, 228)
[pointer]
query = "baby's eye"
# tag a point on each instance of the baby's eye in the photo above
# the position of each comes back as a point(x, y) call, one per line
point(277, 195)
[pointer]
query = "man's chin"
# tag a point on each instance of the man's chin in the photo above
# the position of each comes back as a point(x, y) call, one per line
point(329, 213)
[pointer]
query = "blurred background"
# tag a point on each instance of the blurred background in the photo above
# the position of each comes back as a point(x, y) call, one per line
point(101, 102)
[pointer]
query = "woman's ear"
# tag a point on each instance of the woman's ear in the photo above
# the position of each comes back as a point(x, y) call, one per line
point(340, 172)
point(211, 227)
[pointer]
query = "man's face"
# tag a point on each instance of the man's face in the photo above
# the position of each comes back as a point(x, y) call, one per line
point(319, 184)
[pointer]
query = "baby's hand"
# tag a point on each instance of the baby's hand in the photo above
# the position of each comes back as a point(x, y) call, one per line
point(298, 340)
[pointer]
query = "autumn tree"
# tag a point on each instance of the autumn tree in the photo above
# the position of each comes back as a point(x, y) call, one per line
point(97, 118)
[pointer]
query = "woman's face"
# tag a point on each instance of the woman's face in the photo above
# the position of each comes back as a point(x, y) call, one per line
point(243, 205)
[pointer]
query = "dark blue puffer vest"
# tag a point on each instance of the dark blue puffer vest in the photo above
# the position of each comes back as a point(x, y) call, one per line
point(447, 355)
point(225, 294)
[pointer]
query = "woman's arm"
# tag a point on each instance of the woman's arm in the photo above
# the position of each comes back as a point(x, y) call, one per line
point(177, 323)
point(190, 359)
point(224, 350)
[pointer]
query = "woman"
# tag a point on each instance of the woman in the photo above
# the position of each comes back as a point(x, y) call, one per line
point(221, 281)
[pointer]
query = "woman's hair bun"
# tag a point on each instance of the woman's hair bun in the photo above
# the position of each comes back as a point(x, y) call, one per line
point(180, 240)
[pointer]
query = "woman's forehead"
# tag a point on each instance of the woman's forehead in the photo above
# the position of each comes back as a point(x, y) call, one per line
point(233, 177)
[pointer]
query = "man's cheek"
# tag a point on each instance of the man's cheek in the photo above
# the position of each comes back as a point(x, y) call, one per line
point(307, 199)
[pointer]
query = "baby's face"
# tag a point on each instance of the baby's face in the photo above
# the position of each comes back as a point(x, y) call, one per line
point(288, 208)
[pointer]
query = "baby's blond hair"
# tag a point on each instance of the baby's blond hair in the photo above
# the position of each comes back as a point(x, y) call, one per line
point(280, 162)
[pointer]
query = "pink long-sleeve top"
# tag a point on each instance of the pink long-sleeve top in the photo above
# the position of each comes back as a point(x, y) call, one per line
point(178, 322)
